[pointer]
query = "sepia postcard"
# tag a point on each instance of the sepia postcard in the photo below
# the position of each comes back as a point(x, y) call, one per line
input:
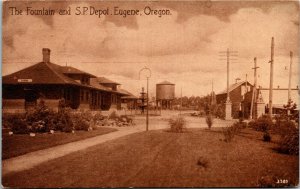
point(199, 93)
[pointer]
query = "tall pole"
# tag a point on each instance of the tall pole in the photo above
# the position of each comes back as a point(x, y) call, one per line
point(290, 76)
point(271, 79)
point(180, 101)
point(227, 53)
point(228, 104)
point(246, 83)
point(253, 99)
point(212, 93)
point(245, 95)
point(147, 118)
point(289, 90)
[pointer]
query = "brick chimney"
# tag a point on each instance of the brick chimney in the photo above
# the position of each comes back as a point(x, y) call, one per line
point(46, 55)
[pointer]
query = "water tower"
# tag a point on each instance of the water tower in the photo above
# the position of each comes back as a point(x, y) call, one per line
point(165, 94)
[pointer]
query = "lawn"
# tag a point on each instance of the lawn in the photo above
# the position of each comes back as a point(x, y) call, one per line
point(18, 144)
point(165, 159)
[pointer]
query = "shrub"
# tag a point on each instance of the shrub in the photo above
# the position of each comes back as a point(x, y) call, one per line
point(63, 121)
point(266, 136)
point(239, 125)
point(41, 118)
point(209, 120)
point(230, 131)
point(98, 118)
point(293, 114)
point(9, 119)
point(202, 162)
point(82, 120)
point(80, 124)
point(289, 136)
point(263, 123)
point(177, 125)
point(283, 126)
point(19, 126)
point(289, 141)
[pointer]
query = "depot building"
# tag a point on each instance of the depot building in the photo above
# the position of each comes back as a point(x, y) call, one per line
point(52, 82)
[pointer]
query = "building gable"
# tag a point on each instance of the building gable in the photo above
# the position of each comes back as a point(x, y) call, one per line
point(40, 73)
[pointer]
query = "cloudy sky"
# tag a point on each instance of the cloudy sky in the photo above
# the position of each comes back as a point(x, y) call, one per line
point(182, 48)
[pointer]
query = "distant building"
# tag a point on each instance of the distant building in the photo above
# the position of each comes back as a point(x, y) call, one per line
point(237, 93)
point(241, 98)
point(165, 94)
point(280, 98)
point(52, 82)
point(130, 101)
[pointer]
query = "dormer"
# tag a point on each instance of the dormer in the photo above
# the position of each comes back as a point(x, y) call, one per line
point(77, 75)
point(108, 83)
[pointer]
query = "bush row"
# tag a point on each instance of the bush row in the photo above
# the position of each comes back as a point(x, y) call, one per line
point(283, 126)
point(42, 119)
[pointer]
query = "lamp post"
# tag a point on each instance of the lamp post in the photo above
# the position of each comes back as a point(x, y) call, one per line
point(147, 76)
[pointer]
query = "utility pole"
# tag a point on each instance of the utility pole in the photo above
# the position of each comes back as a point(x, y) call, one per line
point(228, 104)
point(180, 101)
point(253, 99)
point(211, 97)
point(227, 53)
point(246, 91)
point(290, 76)
point(148, 76)
point(289, 90)
point(271, 79)
point(212, 100)
point(246, 83)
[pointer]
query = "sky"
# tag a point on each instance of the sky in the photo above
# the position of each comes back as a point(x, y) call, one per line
point(183, 48)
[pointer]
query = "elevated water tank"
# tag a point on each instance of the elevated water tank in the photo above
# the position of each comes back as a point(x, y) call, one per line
point(165, 91)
